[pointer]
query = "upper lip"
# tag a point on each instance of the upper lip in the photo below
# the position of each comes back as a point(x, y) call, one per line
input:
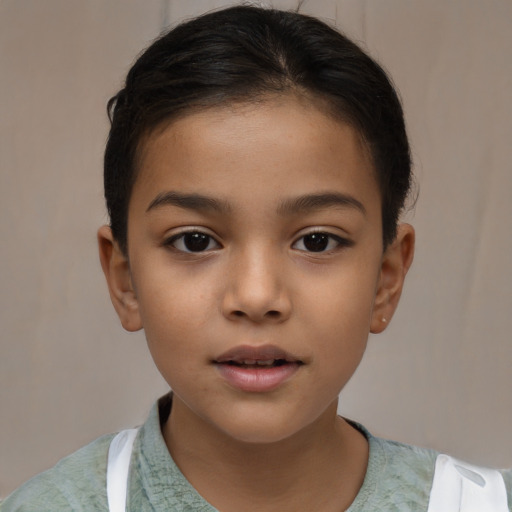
point(244, 353)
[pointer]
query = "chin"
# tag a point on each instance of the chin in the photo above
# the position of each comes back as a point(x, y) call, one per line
point(259, 433)
point(263, 426)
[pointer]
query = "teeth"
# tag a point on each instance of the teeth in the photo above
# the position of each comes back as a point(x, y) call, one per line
point(268, 362)
point(258, 362)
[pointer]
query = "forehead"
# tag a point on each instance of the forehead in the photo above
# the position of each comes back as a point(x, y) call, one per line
point(249, 152)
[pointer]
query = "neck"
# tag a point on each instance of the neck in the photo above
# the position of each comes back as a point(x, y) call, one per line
point(321, 467)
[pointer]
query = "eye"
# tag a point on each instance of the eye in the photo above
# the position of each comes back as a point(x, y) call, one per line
point(320, 242)
point(192, 241)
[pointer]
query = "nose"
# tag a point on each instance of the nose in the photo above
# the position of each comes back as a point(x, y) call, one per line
point(256, 288)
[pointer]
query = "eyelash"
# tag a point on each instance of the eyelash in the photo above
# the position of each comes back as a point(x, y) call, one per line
point(201, 238)
point(339, 242)
point(180, 238)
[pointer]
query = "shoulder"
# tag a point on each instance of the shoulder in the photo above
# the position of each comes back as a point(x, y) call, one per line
point(507, 477)
point(400, 477)
point(406, 472)
point(400, 461)
point(409, 457)
point(75, 483)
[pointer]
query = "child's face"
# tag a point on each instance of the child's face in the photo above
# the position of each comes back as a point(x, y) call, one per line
point(255, 235)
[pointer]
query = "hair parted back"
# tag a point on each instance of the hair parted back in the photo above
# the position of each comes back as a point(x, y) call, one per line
point(242, 54)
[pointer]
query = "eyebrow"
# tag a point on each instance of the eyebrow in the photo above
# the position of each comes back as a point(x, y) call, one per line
point(290, 206)
point(320, 201)
point(189, 202)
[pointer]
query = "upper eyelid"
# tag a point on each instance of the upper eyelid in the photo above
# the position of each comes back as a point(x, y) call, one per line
point(171, 242)
point(327, 230)
point(339, 238)
point(190, 229)
point(343, 241)
point(187, 230)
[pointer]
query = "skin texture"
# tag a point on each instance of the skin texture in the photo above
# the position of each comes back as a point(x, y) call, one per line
point(258, 283)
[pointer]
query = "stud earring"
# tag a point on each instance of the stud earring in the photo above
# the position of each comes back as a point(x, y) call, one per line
point(384, 320)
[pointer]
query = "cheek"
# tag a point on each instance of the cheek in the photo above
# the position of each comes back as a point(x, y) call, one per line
point(339, 318)
point(172, 316)
point(174, 325)
point(344, 300)
point(169, 299)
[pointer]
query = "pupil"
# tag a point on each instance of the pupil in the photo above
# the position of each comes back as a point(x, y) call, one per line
point(316, 242)
point(196, 242)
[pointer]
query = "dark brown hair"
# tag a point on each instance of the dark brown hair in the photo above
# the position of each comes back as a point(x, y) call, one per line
point(244, 54)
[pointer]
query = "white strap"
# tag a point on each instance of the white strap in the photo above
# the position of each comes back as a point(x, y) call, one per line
point(119, 455)
point(462, 487)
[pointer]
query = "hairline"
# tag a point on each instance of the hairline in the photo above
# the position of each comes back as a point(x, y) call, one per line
point(306, 97)
point(311, 99)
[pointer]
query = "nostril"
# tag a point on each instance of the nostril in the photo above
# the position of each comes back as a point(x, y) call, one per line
point(271, 315)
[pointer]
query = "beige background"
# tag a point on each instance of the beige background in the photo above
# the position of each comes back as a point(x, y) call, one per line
point(440, 376)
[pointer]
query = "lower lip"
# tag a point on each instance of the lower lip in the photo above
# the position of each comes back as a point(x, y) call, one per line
point(257, 380)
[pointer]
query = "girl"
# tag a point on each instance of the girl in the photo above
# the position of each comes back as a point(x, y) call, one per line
point(255, 172)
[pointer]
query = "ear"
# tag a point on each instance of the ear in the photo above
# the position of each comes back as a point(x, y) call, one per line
point(117, 273)
point(396, 260)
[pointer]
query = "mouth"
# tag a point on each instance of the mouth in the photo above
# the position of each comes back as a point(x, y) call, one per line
point(257, 369)
point(258, 363)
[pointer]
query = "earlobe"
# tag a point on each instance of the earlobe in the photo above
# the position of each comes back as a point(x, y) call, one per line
point(396, 260)
point(116, 268)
